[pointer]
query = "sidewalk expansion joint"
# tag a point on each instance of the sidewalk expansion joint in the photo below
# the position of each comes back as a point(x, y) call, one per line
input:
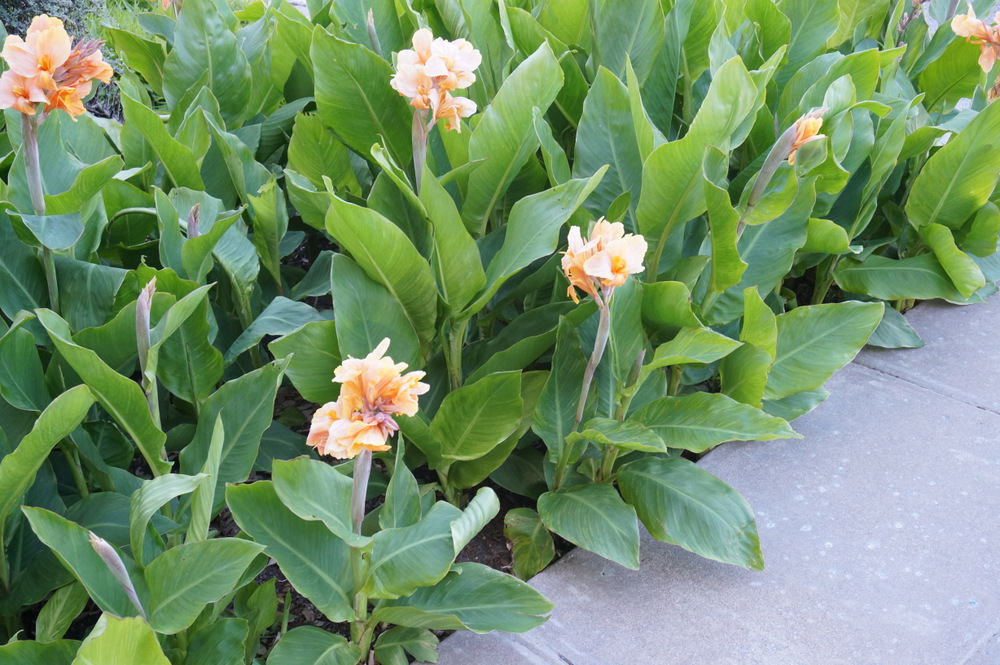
point(934, 389)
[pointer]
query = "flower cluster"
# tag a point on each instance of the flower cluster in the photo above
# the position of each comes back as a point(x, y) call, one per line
point(602, 263)
point(429, 72)
point(975, 31)
point(806, 130)
point(373, 390)
point(45, 68)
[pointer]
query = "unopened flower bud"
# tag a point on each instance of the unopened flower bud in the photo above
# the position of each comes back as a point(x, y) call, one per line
point(143, 306)
point(193, 230)
point(117, 568)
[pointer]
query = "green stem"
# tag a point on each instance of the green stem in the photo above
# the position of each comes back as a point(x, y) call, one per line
point(33, 172)
point(419, 136)
point(688, 90)
point(73, 460)
point(676, 372)
point(451, 494)
point(50, 278)
point(608, 463)
point(132, 211)
point(362, 470)
point(286, 608)
point(453, 355)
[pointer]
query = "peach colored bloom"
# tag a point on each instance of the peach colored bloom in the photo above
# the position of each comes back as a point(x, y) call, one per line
point(433, 68)
point(45, 48)
point(452, 109)
point(602, 263)
point(806, 129)
point(20, 93)
point(977, 32)
point(373, 390)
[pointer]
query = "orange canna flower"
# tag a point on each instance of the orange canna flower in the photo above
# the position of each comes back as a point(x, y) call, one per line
point(20, 93)
point(977, 32)
point(602, 263)
point(433, 68)
point(46, 68)
point(373, 390)
point(806, 129)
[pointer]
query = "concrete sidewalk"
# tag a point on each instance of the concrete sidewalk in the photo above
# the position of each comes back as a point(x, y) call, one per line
point(879, 530)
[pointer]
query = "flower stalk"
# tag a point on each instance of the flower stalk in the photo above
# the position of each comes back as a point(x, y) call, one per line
point(33, 171)
point(143, 308)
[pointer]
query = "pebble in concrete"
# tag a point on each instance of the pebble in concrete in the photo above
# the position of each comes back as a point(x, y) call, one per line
point(879, 531)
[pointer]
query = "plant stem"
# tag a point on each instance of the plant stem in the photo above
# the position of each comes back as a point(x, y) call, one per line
point(676, 372)
point(453, 352)
point(453, 496)
point(73, 460)
point(33, 172)
point(601, 341)
point(608, 463)
point(362, 470)
point(419, 135)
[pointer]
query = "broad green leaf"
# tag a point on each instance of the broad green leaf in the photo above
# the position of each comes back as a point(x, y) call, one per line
point(30, 652)
point(315, 561)
point(308, 644)
point(404, 559)
point(816, 341)
point(57, 232)
point(700, 421)
point(314, 152)
point(456, 261)
point(115, 341)
point(203, 497)
point(120, 396)
point(622, 435)
point(607, 137)
point(555, 415)
point(315, 355)
point(186, 578)
point(71, 544)
point(981, 236)
point(505, 136)
point(387, 256)
point(245, 405)
point(354, 98)
point(393, 645)
point(553, 155)
point(533, 548)
point(475, 418)
point(219, 643)
point(148, 500)
point(21, 380)
point(22, 279)
point(270, 223)
point(281, 317)
point(145, 56)
point(668, 305)
point(115, 641)
point(826, 237)
point(317, 279)
point(178, 160)
point(595, 518)
point(813, 24)
point(690, 346)
point(532, 231)
point(315, 490)
point(760, 326)
point(477, 514)
point(367, 313)
point(743, 374)
point(59, 612)
point(895, 332)
point(502, 603)
point(959, 178)
point(921, 277)
point(187, 363)
point(723, 224)
point(681, 503)
point(203, 44)
point(402, 496)
point(963, 271)
point(950, 77)
point(629, 31)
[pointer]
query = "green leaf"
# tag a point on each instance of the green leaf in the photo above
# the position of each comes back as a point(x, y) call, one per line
point(87, 291)
point(723, 224)
point(920, 277)
point(402, 496)
point(668, 305)
point(203, 497)
point(21, 380)
point(388, 257)
point(743, 374)
point(963, 271)
point(682, 504)
point(219, 643)
point(367, 313)
point(245, 405)
point(204, 45)
point(315, 490)
point(186, 578)
point(950, 77)
point(959, 178)
point(354, 98)
point(30, 652)
point(59, 612)
point(981, 236)
point(187, 363)
point(71, 544)
point(474, 518)
point(532, 231)
point(57, 232)
point(148, 500)
point(270, 223)
point(606, 137)
point(505, 136)
point(816, 341)
point(690, 346)
point(626, 31)
point(826, 237)
point(700, 421)
point(555, 415)
point(178, 160)
point(145, 56)
point(314, 152)
point(813, 24)
point(624, 435)
point(117, 641)
point(456, 261)
point(316, 356)
point(120, 396)
point(475, 418)
point(281, 317)
point(595, 518)
point(533, 548)
point(393, 645)
point(405, 559)
point(895, 332)
point(502, 603)
point(307, 644)
point(315, 561)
